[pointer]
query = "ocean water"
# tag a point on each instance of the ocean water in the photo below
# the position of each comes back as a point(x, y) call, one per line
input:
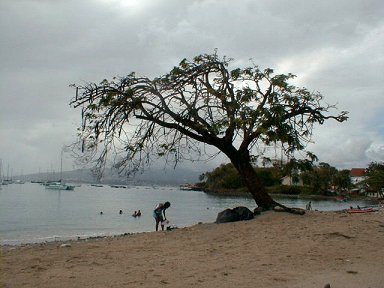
point(30, 213)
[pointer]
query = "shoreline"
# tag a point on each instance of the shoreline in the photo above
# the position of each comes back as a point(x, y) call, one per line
point(62, 239)
point(71, 240)
point(273, 250)
point(291, 196)
point(76, 239)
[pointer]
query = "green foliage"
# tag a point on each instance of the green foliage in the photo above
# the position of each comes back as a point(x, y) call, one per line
point(375, 173)
point(223, 177)
point(324, 177)
point(226, 177)
point(269, 176)
point(342, 180)
point(285, 190)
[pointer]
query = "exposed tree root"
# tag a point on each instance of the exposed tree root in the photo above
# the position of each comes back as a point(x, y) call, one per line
point(282, 208)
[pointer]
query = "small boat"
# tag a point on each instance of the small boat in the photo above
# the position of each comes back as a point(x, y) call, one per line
point(59, 186)
point(97, 185)
point(7, 181)
point(362, 210)
point(190, 187)
point(118, 186)
point(186, 186)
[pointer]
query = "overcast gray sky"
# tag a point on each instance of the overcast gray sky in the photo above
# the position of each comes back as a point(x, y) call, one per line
point(335, 47)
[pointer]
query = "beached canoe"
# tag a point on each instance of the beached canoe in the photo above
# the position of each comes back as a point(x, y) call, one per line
point(365, 210)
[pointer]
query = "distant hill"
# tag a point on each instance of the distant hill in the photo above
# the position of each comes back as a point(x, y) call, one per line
point(151, 176)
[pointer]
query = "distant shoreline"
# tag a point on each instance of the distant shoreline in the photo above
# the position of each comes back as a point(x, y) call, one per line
point(273, 195)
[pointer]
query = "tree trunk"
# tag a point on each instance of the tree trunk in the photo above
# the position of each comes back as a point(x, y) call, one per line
point(254, 185)
point(243, 165)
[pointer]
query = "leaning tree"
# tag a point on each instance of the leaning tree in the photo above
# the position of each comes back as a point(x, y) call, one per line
point(200, 103)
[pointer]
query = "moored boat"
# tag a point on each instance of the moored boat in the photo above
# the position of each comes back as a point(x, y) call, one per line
point(59, 186)
point(188, 186)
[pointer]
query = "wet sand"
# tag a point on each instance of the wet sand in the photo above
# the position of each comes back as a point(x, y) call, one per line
point(273, 250)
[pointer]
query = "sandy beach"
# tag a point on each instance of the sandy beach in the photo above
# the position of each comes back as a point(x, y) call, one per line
point(273, 250)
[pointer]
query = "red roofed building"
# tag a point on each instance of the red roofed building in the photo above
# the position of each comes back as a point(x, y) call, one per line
point(358, 175)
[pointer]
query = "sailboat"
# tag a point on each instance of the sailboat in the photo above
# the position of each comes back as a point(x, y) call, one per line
point(59, 185)
point(8, 180)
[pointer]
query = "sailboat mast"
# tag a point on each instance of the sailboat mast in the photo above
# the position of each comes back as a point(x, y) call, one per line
point(61, 166)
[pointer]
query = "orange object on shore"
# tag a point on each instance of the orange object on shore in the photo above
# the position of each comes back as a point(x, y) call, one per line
point(366, 210)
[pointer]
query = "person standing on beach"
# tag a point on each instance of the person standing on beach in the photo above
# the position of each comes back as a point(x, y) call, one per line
point(159, 214)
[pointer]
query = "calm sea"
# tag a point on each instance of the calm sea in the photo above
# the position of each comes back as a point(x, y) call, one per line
point(30, 213)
